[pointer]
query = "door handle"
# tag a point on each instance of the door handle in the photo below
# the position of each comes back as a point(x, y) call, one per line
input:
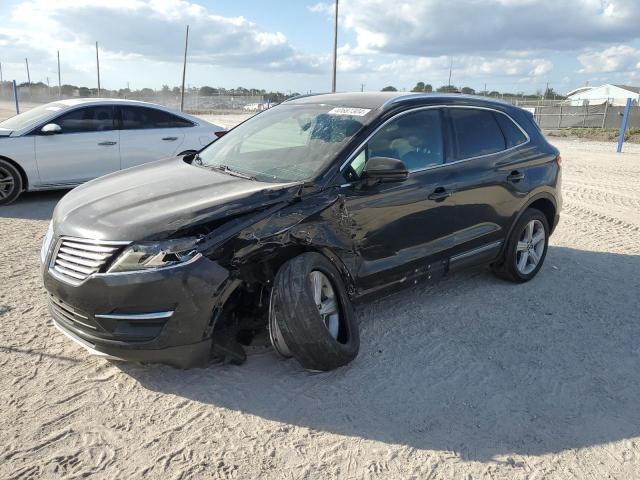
point(515, 176)
point(439, 194)
point(169, 139)
point(107, 144)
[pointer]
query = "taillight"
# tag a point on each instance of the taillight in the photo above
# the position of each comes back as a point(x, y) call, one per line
point(220, 133)
point(559, 159)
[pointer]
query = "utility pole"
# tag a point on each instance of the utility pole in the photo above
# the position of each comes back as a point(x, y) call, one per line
point(184, 69)
point(335, 49)
point(26, 61)
point(59, 82)
point(1, 82)
point(28, 78)
point(98, 68)
point(362, 87)
point(450, 68)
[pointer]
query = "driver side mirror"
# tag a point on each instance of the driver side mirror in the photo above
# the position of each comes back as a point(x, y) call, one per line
point(51, 129)
point(384, 170)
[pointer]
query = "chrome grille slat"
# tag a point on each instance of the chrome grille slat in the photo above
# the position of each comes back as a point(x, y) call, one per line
point(76, 259)
point(79, 260)
point(74, 266)
point(90, 248)
point(83, 254)
point(69, 313)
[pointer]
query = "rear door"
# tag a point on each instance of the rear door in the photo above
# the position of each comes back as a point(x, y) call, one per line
point(149, 134)
point(490, 181)
point(86, 148)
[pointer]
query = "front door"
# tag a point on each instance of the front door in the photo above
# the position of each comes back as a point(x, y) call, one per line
point(86, 148)
point(399, 228)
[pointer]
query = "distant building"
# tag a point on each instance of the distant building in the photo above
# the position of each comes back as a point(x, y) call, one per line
point(614, 94)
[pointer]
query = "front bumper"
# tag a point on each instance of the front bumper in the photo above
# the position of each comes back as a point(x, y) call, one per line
point(162, 315)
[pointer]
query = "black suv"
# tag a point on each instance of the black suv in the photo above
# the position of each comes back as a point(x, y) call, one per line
point(292, 216)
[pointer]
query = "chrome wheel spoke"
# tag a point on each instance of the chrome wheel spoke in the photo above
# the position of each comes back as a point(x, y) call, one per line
point(528, 232)
point(533, 255)
point(522, 247)
point(522, 263)
point(538, 237)
point(6, 181)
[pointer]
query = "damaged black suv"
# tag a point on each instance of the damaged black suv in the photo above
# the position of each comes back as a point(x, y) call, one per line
point(291, 217)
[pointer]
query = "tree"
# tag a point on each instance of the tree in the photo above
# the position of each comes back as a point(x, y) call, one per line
point(389, 88)
point(419, 87)
point(448, 89)
point(428, 88)
point(468, 91)
point(208, 91)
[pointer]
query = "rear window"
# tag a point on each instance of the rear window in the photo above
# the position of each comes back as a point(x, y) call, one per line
point(512, 134)
point(476, 132)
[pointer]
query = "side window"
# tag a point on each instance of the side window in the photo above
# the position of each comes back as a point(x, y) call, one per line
point(512, 133)
point(88, 119)
point(142, 118)
point(415, 138)
point(476, 132)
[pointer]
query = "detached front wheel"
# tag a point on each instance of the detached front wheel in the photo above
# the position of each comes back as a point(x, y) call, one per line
point(310, 315)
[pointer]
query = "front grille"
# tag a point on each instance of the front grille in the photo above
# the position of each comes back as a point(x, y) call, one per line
point(77, 258)
point(68, 314)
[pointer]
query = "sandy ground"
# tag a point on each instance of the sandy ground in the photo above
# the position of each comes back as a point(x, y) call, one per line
point(469, 378)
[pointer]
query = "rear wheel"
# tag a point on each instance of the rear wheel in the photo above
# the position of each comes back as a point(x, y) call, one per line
point(310, 315)
point(526, 249)
point(10, 183)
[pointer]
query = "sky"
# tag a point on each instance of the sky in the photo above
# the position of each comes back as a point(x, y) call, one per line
point(285, 45)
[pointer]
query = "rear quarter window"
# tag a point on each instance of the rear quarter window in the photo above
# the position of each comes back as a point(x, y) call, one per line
point(512, 134)
point(476, 132)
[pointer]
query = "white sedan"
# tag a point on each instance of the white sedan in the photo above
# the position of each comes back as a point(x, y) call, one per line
point(65, 143)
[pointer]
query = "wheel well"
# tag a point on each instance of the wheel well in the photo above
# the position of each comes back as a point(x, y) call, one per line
point(23, 174)
point(547, 207)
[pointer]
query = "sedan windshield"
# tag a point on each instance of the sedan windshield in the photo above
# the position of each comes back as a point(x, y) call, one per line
point(32, 116)
point(285, 143)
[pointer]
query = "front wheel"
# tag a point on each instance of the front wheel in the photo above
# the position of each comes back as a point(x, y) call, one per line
point(310, 315)
point(526, 248)
point(10, 183)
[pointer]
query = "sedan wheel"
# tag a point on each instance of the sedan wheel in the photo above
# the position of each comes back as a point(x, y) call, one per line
point(10, 183)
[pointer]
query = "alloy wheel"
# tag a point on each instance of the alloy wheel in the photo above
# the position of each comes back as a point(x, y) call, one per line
point(530, 247)
point(325, 298)
point(7, 184)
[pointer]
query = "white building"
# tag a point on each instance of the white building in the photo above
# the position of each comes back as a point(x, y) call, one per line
point(614, 94)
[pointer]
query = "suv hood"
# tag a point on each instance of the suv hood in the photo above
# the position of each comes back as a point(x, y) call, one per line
point(154, 200)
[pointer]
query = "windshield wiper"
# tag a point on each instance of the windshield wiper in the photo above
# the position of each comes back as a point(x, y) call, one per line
point(231, 171)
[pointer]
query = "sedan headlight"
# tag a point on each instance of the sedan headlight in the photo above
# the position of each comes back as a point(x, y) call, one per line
point(46, 243)
point(153, 255)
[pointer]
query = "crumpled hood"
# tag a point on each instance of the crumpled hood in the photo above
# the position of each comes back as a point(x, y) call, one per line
point(156, 199)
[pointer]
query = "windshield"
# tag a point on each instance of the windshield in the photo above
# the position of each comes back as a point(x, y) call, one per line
point(286, 143)
point(32, 116)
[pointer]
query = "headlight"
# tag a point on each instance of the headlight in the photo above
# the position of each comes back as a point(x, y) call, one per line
point(46, 243)
point(146, 256)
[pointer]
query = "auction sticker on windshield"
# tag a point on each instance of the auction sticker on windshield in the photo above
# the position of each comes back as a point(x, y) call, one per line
point(358, 112)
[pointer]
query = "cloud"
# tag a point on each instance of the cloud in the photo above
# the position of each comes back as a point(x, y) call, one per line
point(154, 30)
point(618, 58)
point(431, 28)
